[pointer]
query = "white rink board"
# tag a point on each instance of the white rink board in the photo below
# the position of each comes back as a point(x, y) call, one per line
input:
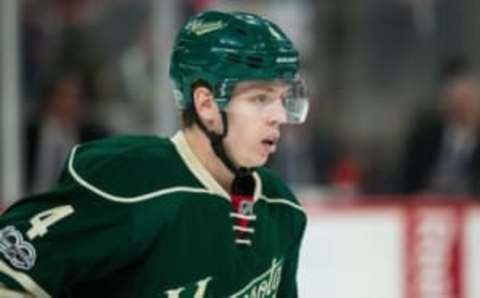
point(472, 254)
point(360, 251)
point(353, 254)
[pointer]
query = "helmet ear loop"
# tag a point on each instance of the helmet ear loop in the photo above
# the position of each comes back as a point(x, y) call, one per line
point(219, 149)
point(216, 141)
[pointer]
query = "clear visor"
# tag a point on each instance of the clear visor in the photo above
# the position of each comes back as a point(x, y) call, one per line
point(279, 100)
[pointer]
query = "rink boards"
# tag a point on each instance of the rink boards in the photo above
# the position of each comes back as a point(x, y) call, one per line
point(391, 249)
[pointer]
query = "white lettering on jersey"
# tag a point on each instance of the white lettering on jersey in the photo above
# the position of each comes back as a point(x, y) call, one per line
point(174, 293)
point(265, 285)
point(201, 288)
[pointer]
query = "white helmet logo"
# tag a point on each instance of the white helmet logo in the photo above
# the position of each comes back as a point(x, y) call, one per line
point(200, 28)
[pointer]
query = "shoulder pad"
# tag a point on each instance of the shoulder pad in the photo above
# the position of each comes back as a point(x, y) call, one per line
point(129, 169)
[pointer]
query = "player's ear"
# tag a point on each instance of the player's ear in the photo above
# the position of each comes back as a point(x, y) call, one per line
point(206, 106)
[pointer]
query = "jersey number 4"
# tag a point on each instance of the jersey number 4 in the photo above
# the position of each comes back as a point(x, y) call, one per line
point(45, 219)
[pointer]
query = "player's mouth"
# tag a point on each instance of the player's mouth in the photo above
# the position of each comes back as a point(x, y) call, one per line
point(270, 144)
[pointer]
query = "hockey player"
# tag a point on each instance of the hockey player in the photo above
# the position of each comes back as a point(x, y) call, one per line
point(195, 215)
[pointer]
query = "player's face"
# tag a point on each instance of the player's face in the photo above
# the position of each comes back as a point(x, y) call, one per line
point(255, 114)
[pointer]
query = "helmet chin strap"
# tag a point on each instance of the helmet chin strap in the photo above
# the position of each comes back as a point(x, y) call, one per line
point(216, 141)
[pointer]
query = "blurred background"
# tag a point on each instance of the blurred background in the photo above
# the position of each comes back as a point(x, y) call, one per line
point(394, 91)
point(376, 70)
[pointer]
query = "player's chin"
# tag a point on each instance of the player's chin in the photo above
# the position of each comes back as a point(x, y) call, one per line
point(254, 158)
point(258, 161)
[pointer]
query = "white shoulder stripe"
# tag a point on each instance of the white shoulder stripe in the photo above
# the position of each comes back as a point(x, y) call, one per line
point(120, 199)
point(282, 201)
point(24, 280)
point(6, 293)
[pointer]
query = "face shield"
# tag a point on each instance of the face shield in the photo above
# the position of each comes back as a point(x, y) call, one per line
point(284, 101)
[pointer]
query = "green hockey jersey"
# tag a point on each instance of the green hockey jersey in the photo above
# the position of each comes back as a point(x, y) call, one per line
point(141, 217)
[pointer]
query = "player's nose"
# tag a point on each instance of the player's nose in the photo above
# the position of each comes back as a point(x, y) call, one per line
point(277, 113)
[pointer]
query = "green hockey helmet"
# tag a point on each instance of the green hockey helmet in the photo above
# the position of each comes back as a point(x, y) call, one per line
point(222, 49)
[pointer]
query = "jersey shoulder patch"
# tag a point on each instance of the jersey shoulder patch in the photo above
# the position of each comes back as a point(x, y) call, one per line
point(129, 169)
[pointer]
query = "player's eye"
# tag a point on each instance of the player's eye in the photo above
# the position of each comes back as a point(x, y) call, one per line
point(262, 99)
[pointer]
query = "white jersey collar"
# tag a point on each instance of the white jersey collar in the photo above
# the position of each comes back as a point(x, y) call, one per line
point(200, 171)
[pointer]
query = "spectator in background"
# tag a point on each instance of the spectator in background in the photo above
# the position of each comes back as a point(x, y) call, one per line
point(60, 123)
point(442, 152)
